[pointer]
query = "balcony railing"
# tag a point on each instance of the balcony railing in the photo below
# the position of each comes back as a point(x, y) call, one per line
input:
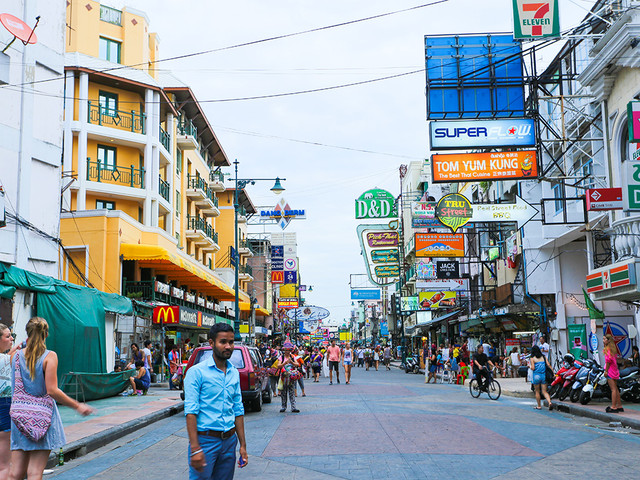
point(246, 269)
point(131, 121)
point(626, 235)
point(197, 182)
point(130, 177)
point(186, 127)
point(199, 223)
point(110, 15)
point(164, 189)
point(216, 177)
point(244, 244)
point(165, 139)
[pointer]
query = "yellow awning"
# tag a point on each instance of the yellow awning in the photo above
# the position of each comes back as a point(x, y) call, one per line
point(260, 312)
point(178, 268)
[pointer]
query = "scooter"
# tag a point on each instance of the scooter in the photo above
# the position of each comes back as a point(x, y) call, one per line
point(568, 377)
point(597, 385)
point(556, 385)
point(412, 364)
point(581, 380)
point(628, 384)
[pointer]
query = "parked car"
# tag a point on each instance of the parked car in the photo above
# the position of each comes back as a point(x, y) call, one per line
point(254, 381)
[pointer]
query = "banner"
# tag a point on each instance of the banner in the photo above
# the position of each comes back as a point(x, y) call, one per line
point(535, 20)
point(472, 167)
point(436, 300)
point(439, 245)
point(577, 340)
point(482, 133)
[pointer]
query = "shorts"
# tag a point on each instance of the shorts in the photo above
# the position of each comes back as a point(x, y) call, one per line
point(432, 369)
point(333, 365)
point(5, 419)
point(316, 370)
point(347, 362)
point(140, 385)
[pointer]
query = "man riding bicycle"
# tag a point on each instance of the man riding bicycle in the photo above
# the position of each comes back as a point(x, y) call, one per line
point(480, 370)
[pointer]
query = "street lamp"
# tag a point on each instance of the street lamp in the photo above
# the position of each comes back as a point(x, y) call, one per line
point(239, 185)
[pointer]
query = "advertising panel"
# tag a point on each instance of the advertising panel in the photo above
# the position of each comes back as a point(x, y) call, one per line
point(409, 304)
point(290, 277)
point(436, 299)
point(460, 285)
point(439, 245)
point(277, 277)
point(366, 294)
point(379, 245)
point(577, 340)
point(425, 270)
point(601, 199)
point(376, 203)
point(423, 209)
point(448, 269)
point(465, 167)
point(166, 315)
point(287, 303)
point(535, 20)
point(462, 134)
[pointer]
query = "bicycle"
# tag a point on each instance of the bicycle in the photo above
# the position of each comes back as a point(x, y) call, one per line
point(492, 389)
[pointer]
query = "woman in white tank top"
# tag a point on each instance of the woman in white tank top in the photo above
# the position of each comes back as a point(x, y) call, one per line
point(347, 361)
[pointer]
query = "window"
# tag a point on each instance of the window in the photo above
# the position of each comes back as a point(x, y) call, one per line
point(178, 238)
point(108, 103)
point(110, 15)
point(178, 200)
point(179, 161)
point(140, 215)
point(109, 50)
point(105, 205)
point(558, 194)
point(107, 157)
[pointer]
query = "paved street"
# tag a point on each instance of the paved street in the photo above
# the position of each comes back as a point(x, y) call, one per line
point(387, 424)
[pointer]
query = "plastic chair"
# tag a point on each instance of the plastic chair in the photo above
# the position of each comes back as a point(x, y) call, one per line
point(463, 375)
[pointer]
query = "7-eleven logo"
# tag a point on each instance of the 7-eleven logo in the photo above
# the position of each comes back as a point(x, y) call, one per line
point(536, 19)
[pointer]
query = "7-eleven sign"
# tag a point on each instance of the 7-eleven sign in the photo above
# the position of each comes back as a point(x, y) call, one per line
point(535, 19)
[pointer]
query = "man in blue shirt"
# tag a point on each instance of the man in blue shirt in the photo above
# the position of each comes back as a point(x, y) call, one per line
point(215, 415)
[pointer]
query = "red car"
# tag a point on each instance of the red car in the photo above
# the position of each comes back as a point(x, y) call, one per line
point(254, 381)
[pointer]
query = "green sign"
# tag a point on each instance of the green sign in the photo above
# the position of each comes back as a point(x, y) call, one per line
point(577, 340)
point(376, 203)
point(535, 20)
point(454, 211)
point(632, 197)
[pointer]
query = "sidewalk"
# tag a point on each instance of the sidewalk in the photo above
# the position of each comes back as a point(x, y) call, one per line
point(115, 417)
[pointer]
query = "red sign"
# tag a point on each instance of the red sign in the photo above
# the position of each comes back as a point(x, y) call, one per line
point(166, 315)
point(600, 199)
point(277, 276)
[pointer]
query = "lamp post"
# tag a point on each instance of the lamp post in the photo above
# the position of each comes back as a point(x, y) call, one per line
point(239, 185)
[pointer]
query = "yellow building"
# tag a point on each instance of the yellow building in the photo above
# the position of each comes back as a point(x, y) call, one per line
point(142, 169)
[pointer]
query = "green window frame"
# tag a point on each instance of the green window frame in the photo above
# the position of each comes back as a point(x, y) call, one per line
point(108, 103)
point(178, 203)
point(107, 157)
point(109, 50)
point(105, 205)
point(179, 161)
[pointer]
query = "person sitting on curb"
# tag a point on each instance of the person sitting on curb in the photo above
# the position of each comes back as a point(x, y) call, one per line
point(140, 383)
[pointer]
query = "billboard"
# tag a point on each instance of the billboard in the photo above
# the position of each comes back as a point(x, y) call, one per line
point(376, 203)
point(535, 20)
point(366, 294)
point(460, 285)
point(409, 304)
point(436, 299)
point(474, 76)
point(448, 269)
point(166, 315)
point(439, 245)
point(287, 303)
point(379, 246)
point(472, 167)
point(308, 314)
point(462, 134)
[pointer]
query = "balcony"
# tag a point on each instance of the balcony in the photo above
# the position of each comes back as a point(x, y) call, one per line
point(164, 189)
point(242, 214)
point(130, 121)
point(245, 272)
point(165, 139)
point(187, 137)
point(216, 181)
point(201, 233)
point(627, 237)
point(202, 196)
point(410, 274)
point(244, 248)
point(128, 177)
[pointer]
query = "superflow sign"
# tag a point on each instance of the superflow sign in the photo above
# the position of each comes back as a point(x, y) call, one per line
point(535, 19)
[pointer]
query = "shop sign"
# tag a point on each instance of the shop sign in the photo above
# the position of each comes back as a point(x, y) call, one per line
point(290, 277)
point(423, 209)
point(190, 297)
point(366, 294)
point(167, 315)
point(308, 313)
point(162, 288)
point(512, 342)
point(437, 299)
point(633, 119)
point(387, 271)
point(455, 284)
point(425, 223)
point(632, 190)
point(454, 211)
point(277, 277)
point(448, 269)
point(473, 167)
point(500, 133)
point(439, 245)
point(425, 270)
point(177, 292)
point(376, 203)
point(282, 214)
point(290, 264)
point(601, 199)
point(385, 255)
point(287, 303)
point(195, 318)
point(612, 276)
point(535, 20)
point(201, 301)
point(409, 304)
point(379, 245)
point(382, 239)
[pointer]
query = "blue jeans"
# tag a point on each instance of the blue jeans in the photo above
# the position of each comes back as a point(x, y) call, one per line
point(220, 457)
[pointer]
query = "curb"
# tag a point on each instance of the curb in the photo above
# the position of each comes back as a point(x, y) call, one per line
point(93, 442)
point(581, 411)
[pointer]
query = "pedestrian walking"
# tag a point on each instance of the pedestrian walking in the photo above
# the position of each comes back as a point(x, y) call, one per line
point(316, 364)
point(538, 364)
point(612, 373)
point(272, 369)
point(386, 357)
point(368, 357)
point(433, 366)
point(34, 373)
point(514, 358)
point(8, 351)
point(288, 377)
point(544, 347)
point(214, 411)
point(300, 368)
point(146, 351)
point(174, 364)
point(347, 362)
point(376, 356)
point(360, 355)
point(333, 360)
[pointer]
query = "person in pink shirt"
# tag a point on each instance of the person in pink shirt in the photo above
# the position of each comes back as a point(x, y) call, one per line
point(612, 372)
point(333, 360)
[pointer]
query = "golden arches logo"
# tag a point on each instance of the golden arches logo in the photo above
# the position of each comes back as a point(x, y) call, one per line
point(166, 314)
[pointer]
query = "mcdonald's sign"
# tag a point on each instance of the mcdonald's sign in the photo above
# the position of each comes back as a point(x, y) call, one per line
point(166, 314)
point(277, 276)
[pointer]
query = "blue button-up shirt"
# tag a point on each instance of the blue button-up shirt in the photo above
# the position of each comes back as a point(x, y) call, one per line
point(213, 396)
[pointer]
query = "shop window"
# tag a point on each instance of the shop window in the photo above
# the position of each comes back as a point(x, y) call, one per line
point(109, 50)
point(105, 205)
point(108, 103)
point(107, 157)
point(558, 194)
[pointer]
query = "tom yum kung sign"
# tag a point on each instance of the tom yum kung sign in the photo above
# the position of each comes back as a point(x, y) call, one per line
point(464, 167)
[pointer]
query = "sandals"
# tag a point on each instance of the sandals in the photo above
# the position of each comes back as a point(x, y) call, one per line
point(538, 408)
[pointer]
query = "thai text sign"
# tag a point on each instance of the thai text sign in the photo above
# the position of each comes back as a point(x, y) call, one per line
point(436, 299)
point(458, 134)
point(376, 203)
point(464, 167)
point(439, 245)
point(535, 19)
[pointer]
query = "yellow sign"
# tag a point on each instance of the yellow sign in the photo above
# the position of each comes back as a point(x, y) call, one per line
point(345, 336)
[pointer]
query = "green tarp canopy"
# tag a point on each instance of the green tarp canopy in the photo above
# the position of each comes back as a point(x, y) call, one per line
point(94, 386)
point(76, 317)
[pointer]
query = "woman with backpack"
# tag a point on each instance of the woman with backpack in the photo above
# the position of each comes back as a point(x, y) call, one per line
point(272, 369)
point(316, 364)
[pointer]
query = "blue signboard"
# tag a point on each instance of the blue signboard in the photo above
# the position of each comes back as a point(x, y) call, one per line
point(593, 342)
point(474, 76)
point(232, 256)
point(290, 276)
point(366, 294)
point(277, 251)
point(463, 134)
point(384, 328)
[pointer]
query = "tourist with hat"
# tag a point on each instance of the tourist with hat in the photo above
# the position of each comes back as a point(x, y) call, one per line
point(289, 374)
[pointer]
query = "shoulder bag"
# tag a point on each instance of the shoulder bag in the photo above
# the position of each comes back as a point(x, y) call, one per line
point(31, 415)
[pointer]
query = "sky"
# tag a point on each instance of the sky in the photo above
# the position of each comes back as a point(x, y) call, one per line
point(333, 145)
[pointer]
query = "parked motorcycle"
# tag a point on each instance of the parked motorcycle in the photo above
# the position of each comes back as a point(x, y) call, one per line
point(412, 364)
point(629, 384)
point(597, 385)
point(581, 379)
point(555, 386)
point(568, 378)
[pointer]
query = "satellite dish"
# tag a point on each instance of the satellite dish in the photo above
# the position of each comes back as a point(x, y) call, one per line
point(19, 29)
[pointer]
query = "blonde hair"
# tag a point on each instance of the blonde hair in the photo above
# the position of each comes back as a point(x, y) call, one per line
point(37, 332)
point(611, 345)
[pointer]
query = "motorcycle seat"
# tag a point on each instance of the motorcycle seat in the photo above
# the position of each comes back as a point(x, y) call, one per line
point(625, 372)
